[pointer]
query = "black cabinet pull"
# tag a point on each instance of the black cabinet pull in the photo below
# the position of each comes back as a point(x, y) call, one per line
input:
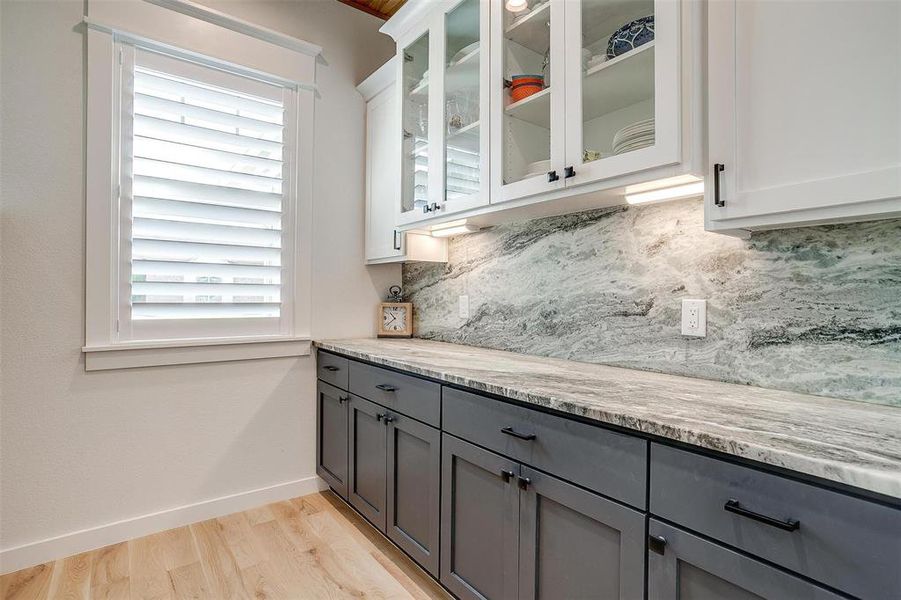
point(427, 208)
point(657, 544)
point(331, 368)
point(380, 416)
point(523, 483)
point(733, 506)
point(522, 436)
point(396, 240)
point(717, 169)
point(388, 418)
point(552, 176)
point(342, 399)
point(386, 388)
point(569, 172)
point(506, 475)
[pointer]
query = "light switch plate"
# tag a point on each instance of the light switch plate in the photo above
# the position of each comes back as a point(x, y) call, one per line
point(694, 317)
point(464, 306)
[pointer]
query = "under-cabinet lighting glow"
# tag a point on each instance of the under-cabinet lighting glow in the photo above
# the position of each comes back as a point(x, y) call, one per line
point(670, 193)
point(516, 6)
point(458, 230)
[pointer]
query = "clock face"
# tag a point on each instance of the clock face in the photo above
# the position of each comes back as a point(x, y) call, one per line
point(394, 318)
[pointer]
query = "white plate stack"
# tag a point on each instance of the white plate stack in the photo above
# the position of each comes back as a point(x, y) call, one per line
point(633, 137)
point(539, 167)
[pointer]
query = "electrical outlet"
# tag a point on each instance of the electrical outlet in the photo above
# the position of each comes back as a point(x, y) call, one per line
point(694, 318)
point(464, 306)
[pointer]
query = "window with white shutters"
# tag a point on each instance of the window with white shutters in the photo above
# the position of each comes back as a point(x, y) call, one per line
point(203, 200)
point(199, 190)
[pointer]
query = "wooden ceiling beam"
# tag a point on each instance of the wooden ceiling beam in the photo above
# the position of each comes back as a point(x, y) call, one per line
point(366, 8)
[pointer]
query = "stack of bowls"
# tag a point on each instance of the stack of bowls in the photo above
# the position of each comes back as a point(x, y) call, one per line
point(525, 85)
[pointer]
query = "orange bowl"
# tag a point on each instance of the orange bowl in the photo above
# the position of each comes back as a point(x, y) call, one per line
point(524, 90)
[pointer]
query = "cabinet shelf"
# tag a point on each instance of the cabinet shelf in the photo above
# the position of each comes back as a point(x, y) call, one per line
point(420, 89)
point(535, 109)
point(466, 138)
point(619, 82)
point(532, 31)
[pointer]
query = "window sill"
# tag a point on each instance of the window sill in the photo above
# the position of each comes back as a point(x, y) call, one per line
point(128, 355)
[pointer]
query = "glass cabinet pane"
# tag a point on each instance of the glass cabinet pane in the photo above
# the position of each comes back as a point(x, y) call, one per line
point(528, 77)
point(617, 77)
point(415, 119)
point(461, 97)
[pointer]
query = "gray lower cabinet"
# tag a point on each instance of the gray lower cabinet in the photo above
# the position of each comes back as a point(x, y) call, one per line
point(682, 566)
point(414, 488)
point(479, 522)
point(509, 531)
point(577, 545)
point(367, 459)
point(331, 436)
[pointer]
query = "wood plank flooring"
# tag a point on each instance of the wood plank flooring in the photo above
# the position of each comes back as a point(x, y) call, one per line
point(307, 548)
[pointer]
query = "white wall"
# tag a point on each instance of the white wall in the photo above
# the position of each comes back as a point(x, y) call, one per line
point(82, 450)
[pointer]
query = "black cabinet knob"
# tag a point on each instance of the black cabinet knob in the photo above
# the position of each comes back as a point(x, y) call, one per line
point(524, 483)
point(552, 176)
point(388, 419)
point(342, 399)
point(657, 544)
point(569, 172)
point(507, 475)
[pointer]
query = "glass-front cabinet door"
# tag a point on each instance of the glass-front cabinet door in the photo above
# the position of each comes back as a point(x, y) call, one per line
point(444, 91)
point(623, 92)
point(413, 89)
point(527, 97)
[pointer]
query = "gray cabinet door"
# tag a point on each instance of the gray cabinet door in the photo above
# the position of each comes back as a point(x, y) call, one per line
point(691, 568)
point(576, 545)
point(331, 436)
point(414, 489)
point(479, 522)
point(367, 459)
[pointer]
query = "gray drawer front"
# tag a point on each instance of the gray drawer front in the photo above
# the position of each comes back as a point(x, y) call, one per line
point(332, 369)
point(406, 394)
point(607, 462)
point(847, 543)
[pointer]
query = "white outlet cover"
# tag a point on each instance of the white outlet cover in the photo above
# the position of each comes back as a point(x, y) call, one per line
point(464, 306)
point(694, 317)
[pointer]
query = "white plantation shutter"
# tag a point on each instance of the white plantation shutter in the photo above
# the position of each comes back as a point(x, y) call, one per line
point(207, 162)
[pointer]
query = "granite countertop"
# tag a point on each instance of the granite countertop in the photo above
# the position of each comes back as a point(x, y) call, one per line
point(853, 443)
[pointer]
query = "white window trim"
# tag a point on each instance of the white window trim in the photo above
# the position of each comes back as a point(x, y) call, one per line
point(145, 23)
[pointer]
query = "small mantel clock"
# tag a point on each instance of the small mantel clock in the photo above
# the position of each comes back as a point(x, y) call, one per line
point(395, 317)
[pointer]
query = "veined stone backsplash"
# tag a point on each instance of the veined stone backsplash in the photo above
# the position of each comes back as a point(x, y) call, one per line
point(815, 310)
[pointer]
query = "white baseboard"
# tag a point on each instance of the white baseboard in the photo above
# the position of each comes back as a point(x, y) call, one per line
point(35, 553)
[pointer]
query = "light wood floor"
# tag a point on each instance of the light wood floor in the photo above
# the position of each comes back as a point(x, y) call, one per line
point(311, 547)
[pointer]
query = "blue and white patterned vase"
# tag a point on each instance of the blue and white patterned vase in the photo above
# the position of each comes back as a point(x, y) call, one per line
point(631, 36)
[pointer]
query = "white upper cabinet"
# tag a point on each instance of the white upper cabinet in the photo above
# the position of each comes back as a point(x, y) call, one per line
point(607, 109)
point(384, 243)
point(623, 90)
point(544, 106)
point(527, 100)
point(804, 112)
point(443, 111)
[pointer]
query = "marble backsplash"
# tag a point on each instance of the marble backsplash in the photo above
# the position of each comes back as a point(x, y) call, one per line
point(815, 310)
